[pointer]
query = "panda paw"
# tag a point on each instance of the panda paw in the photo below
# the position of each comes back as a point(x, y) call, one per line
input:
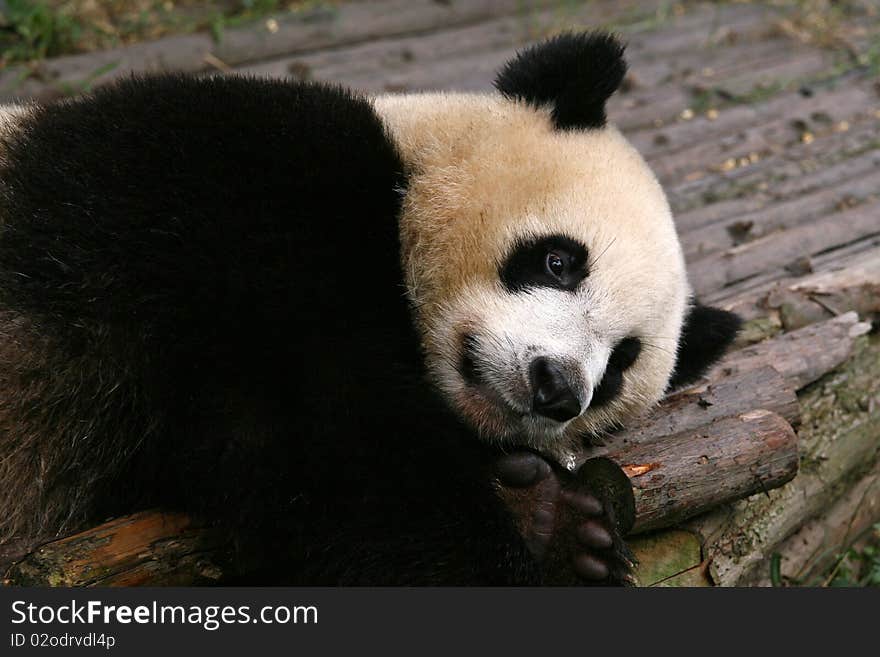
point(566, 528)
point(600, 555)
point(592, 561)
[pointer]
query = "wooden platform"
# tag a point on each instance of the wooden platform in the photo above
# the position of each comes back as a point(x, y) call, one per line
point(764, 128)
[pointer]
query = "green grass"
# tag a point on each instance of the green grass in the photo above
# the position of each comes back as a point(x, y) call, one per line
point(31, 30)
point(858, 567)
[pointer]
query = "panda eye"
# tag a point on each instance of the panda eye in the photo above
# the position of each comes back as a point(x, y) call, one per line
point(555, 265)
point(554, 261)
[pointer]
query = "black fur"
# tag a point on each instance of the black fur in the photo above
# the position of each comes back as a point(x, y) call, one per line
point(526, 265)
point(706, 334)
point(574, 73)
point(622, 358)
point(202, 308)
point(209, 273)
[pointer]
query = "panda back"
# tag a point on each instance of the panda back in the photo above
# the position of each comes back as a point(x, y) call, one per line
point(183, 265)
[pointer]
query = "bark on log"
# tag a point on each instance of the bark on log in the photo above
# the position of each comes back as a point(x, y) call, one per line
point(685, 474)
point(808, 554)
point(149, 548)
point(797, 302)
point(801, 356)
point(724, 394)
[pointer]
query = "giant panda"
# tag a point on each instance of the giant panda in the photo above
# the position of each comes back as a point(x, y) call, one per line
point(364, 336)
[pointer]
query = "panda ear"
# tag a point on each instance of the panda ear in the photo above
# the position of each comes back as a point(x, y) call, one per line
point(706, 334)
point(574, 73)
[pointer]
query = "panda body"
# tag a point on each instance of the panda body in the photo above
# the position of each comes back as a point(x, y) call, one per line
point(202, 308)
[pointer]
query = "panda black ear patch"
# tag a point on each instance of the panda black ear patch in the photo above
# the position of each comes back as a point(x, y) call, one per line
point(575, 73)
point(706, 334)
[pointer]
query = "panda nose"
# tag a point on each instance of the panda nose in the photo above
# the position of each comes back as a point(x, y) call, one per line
point(552, 395)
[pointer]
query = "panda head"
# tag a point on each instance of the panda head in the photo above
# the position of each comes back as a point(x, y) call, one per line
point(540, 252)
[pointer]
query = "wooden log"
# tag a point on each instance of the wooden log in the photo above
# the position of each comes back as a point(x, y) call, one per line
point(149, 548)
point(801, 356)
point(724, 395)
point(835, 496)
point(685, 474)
point(839, 442)
point(850, 284)
point(765, 376)
point(807, 556)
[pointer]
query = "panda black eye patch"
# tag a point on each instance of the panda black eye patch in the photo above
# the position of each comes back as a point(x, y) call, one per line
point(554, 261)
point(622, 358)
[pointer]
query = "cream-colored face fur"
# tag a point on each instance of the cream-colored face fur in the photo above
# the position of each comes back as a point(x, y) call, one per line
point(10, 119)
point(485, 172)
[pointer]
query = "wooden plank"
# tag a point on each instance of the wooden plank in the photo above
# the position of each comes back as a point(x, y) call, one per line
point(700, 144)
point(660, 91)
point(776, 217)
point(801, 356)
point(461, 58)
point(782, 248)
point(792, 179)
point(800, 168)
point(355, 22)
point(835, 259)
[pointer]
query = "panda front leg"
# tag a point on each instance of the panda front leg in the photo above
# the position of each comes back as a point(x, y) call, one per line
point(571, 530)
